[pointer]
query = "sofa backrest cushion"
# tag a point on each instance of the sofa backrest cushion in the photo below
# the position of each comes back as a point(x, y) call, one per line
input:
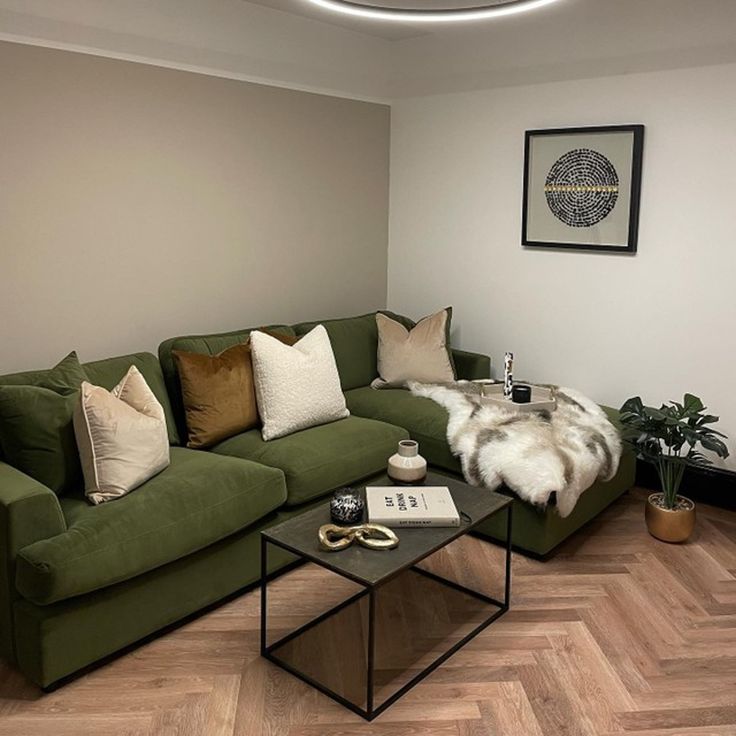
point(355, 344)
point(110, 371)
point(205, 345)
point(26, 378)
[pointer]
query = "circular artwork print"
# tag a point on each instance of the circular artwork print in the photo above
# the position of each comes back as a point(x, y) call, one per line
point(581, 188)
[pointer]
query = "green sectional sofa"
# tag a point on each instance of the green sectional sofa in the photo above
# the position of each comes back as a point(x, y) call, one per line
point(80, 582)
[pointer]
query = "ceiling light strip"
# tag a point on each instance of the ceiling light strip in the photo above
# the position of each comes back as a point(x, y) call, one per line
point(413, 15)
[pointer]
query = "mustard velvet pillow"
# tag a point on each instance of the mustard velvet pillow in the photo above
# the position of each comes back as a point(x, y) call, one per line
point(121, 435)
point(421, 353)
point(218, 392)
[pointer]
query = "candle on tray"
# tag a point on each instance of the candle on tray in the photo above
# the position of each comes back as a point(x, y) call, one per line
point(508, 375)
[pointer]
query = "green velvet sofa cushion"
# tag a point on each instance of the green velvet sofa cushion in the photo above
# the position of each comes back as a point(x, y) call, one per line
point(205, 345)
point(320, 459)
point(470, 366)
point(199, 499)
point(37, 435)
point(109, 372)
point(425, 420)
point(36, 431)
point(355, 344)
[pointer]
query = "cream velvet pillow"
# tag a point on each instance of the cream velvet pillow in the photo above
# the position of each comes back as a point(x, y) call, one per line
point(420, 354)
point(296, 386)
point(121, 435)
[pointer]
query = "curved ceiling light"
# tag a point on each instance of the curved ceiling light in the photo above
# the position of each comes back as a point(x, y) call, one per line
point(491, 9)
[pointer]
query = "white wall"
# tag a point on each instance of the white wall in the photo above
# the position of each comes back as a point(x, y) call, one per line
point(656, 324)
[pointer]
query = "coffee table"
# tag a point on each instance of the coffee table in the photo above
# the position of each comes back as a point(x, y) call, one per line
point(384, 577)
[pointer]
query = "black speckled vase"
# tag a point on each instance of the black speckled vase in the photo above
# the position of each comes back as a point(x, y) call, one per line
point(346, 506)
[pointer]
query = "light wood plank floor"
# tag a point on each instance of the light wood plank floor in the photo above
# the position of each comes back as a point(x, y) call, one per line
point(617, 634)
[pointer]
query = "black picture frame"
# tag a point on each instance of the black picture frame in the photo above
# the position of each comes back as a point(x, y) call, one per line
point(630, 246)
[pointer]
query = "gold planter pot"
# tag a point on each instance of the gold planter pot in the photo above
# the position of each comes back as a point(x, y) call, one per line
point(670, 525)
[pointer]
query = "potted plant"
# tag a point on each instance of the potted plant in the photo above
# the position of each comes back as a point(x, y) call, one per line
point(669, 438)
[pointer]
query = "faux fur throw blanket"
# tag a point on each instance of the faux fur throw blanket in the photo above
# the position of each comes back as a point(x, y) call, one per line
point(534, 453)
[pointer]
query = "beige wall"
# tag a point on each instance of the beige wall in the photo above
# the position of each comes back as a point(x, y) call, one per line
point(138, 203)
point(658, 323)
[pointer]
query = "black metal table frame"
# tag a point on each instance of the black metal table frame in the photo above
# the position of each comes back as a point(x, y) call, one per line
point(371, 711)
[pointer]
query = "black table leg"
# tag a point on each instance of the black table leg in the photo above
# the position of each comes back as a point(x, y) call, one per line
point(371, 651)
point(264, 583)
point(507, 591)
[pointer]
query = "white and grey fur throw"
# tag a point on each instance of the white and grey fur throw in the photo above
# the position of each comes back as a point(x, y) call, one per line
point(533, 453)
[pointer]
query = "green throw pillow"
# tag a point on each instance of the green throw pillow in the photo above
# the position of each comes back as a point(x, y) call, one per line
point(36, 430)
point(65, 377)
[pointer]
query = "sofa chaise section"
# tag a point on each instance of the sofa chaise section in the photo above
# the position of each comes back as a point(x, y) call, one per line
point(536, 531)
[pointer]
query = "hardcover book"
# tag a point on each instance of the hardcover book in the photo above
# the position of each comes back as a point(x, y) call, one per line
point(411, 506)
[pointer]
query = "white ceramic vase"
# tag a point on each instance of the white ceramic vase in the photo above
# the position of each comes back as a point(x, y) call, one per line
point(407, 465)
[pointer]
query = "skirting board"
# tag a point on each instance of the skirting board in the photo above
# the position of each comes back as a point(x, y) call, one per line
point(713, 486)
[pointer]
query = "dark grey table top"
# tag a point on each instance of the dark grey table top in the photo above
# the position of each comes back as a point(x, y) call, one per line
point(372, 567)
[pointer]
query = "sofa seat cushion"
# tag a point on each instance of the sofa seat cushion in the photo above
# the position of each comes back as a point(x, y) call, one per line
point(424, 420)
point(199, 499)
point(320, 459)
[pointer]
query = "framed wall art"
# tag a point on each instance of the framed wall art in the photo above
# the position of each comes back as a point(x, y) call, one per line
point(582, 188)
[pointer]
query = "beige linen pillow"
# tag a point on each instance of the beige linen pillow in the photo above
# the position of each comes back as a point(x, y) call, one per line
point(121, 435)
point(296, 386)
point(420, 354)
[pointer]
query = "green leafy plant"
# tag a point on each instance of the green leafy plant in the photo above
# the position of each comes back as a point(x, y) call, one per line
point(669, 438)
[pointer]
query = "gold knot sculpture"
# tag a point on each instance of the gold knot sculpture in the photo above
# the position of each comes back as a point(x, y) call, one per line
point(374, 536)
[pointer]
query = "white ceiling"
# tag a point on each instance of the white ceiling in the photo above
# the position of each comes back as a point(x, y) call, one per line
point(572, 39)
point(379, 29)
point(293, 43)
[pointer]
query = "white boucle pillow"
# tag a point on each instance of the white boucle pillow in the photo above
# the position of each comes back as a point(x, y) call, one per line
point(297, 386)
point(121, 436)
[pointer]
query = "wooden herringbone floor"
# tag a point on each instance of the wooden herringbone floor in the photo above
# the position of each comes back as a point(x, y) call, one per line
point(617, 634)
